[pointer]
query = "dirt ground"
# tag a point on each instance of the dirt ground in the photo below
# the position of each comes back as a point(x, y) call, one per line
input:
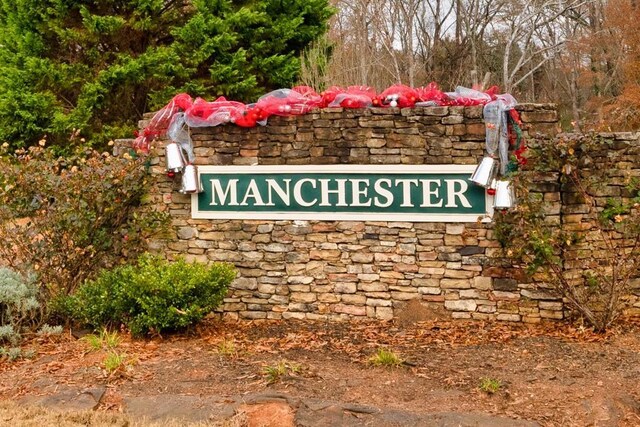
point(551, 374)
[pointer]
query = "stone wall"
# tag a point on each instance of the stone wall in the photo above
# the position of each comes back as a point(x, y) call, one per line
point(335, 270)
point(618, 161)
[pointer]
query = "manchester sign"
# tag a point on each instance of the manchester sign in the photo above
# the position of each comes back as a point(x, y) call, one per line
point(416, 193)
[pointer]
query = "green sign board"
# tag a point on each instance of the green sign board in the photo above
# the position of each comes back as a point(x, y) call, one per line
point(415, 193)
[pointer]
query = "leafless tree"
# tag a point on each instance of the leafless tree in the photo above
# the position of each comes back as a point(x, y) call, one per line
point(516, 43)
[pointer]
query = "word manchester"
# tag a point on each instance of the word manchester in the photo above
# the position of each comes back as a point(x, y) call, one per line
point(340, 192)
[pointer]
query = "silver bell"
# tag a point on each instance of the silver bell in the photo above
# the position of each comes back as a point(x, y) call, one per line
point(190, 181)
point(175, 161)
point(504, 197)
point(485, 172)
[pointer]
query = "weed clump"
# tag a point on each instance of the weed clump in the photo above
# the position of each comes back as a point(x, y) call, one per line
point(490, 385)
point(275, 373)
point(384, 357)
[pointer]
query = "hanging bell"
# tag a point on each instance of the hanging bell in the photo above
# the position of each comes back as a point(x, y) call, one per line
point(190, 181)
point(175, 161)
point(392, 100)
point(485, 172)
point(504, 197)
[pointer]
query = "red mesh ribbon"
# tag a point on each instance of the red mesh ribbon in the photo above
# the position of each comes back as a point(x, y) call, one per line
point(301, 100)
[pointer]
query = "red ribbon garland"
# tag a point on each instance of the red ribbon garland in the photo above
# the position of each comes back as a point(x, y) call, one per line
point(301, 100)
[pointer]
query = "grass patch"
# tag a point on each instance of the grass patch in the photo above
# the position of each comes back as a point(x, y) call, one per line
point(227, 348)
point(384, 357)
point(490, 385)
point(12, 414)
point(105, 340)
point(93, 341)
point(114, 362)
point(275, 373)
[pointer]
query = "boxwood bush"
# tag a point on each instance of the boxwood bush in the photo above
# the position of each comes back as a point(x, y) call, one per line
point(152, 296)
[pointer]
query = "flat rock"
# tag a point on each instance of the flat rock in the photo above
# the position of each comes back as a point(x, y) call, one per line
point(314, 412)
point(474, 419)
point(69, 399)
point(268, 409)
point(181, 407)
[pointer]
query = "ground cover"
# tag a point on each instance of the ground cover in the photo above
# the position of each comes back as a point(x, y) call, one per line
point(290, 373)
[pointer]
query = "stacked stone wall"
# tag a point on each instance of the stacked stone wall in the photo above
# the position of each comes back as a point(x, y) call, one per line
point(617, 162)
point(357, 269)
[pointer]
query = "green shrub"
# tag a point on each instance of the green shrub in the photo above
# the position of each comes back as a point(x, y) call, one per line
point(19, 306)
point(153, 296)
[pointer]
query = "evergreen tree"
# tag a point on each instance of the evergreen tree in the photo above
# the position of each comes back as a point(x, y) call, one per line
point(92, 67)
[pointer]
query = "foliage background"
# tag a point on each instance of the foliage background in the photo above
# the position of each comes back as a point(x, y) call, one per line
point(91, 68)
point(65, 218)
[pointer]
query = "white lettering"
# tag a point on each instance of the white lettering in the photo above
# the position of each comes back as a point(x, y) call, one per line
point(406, 191)
point(340, 192)
point(428, 192)
point(357, 191)
point(384, 192)
point(452, 194)
point(252, 193)
point(284, 194)
point(231, 191)
point(297, 192)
